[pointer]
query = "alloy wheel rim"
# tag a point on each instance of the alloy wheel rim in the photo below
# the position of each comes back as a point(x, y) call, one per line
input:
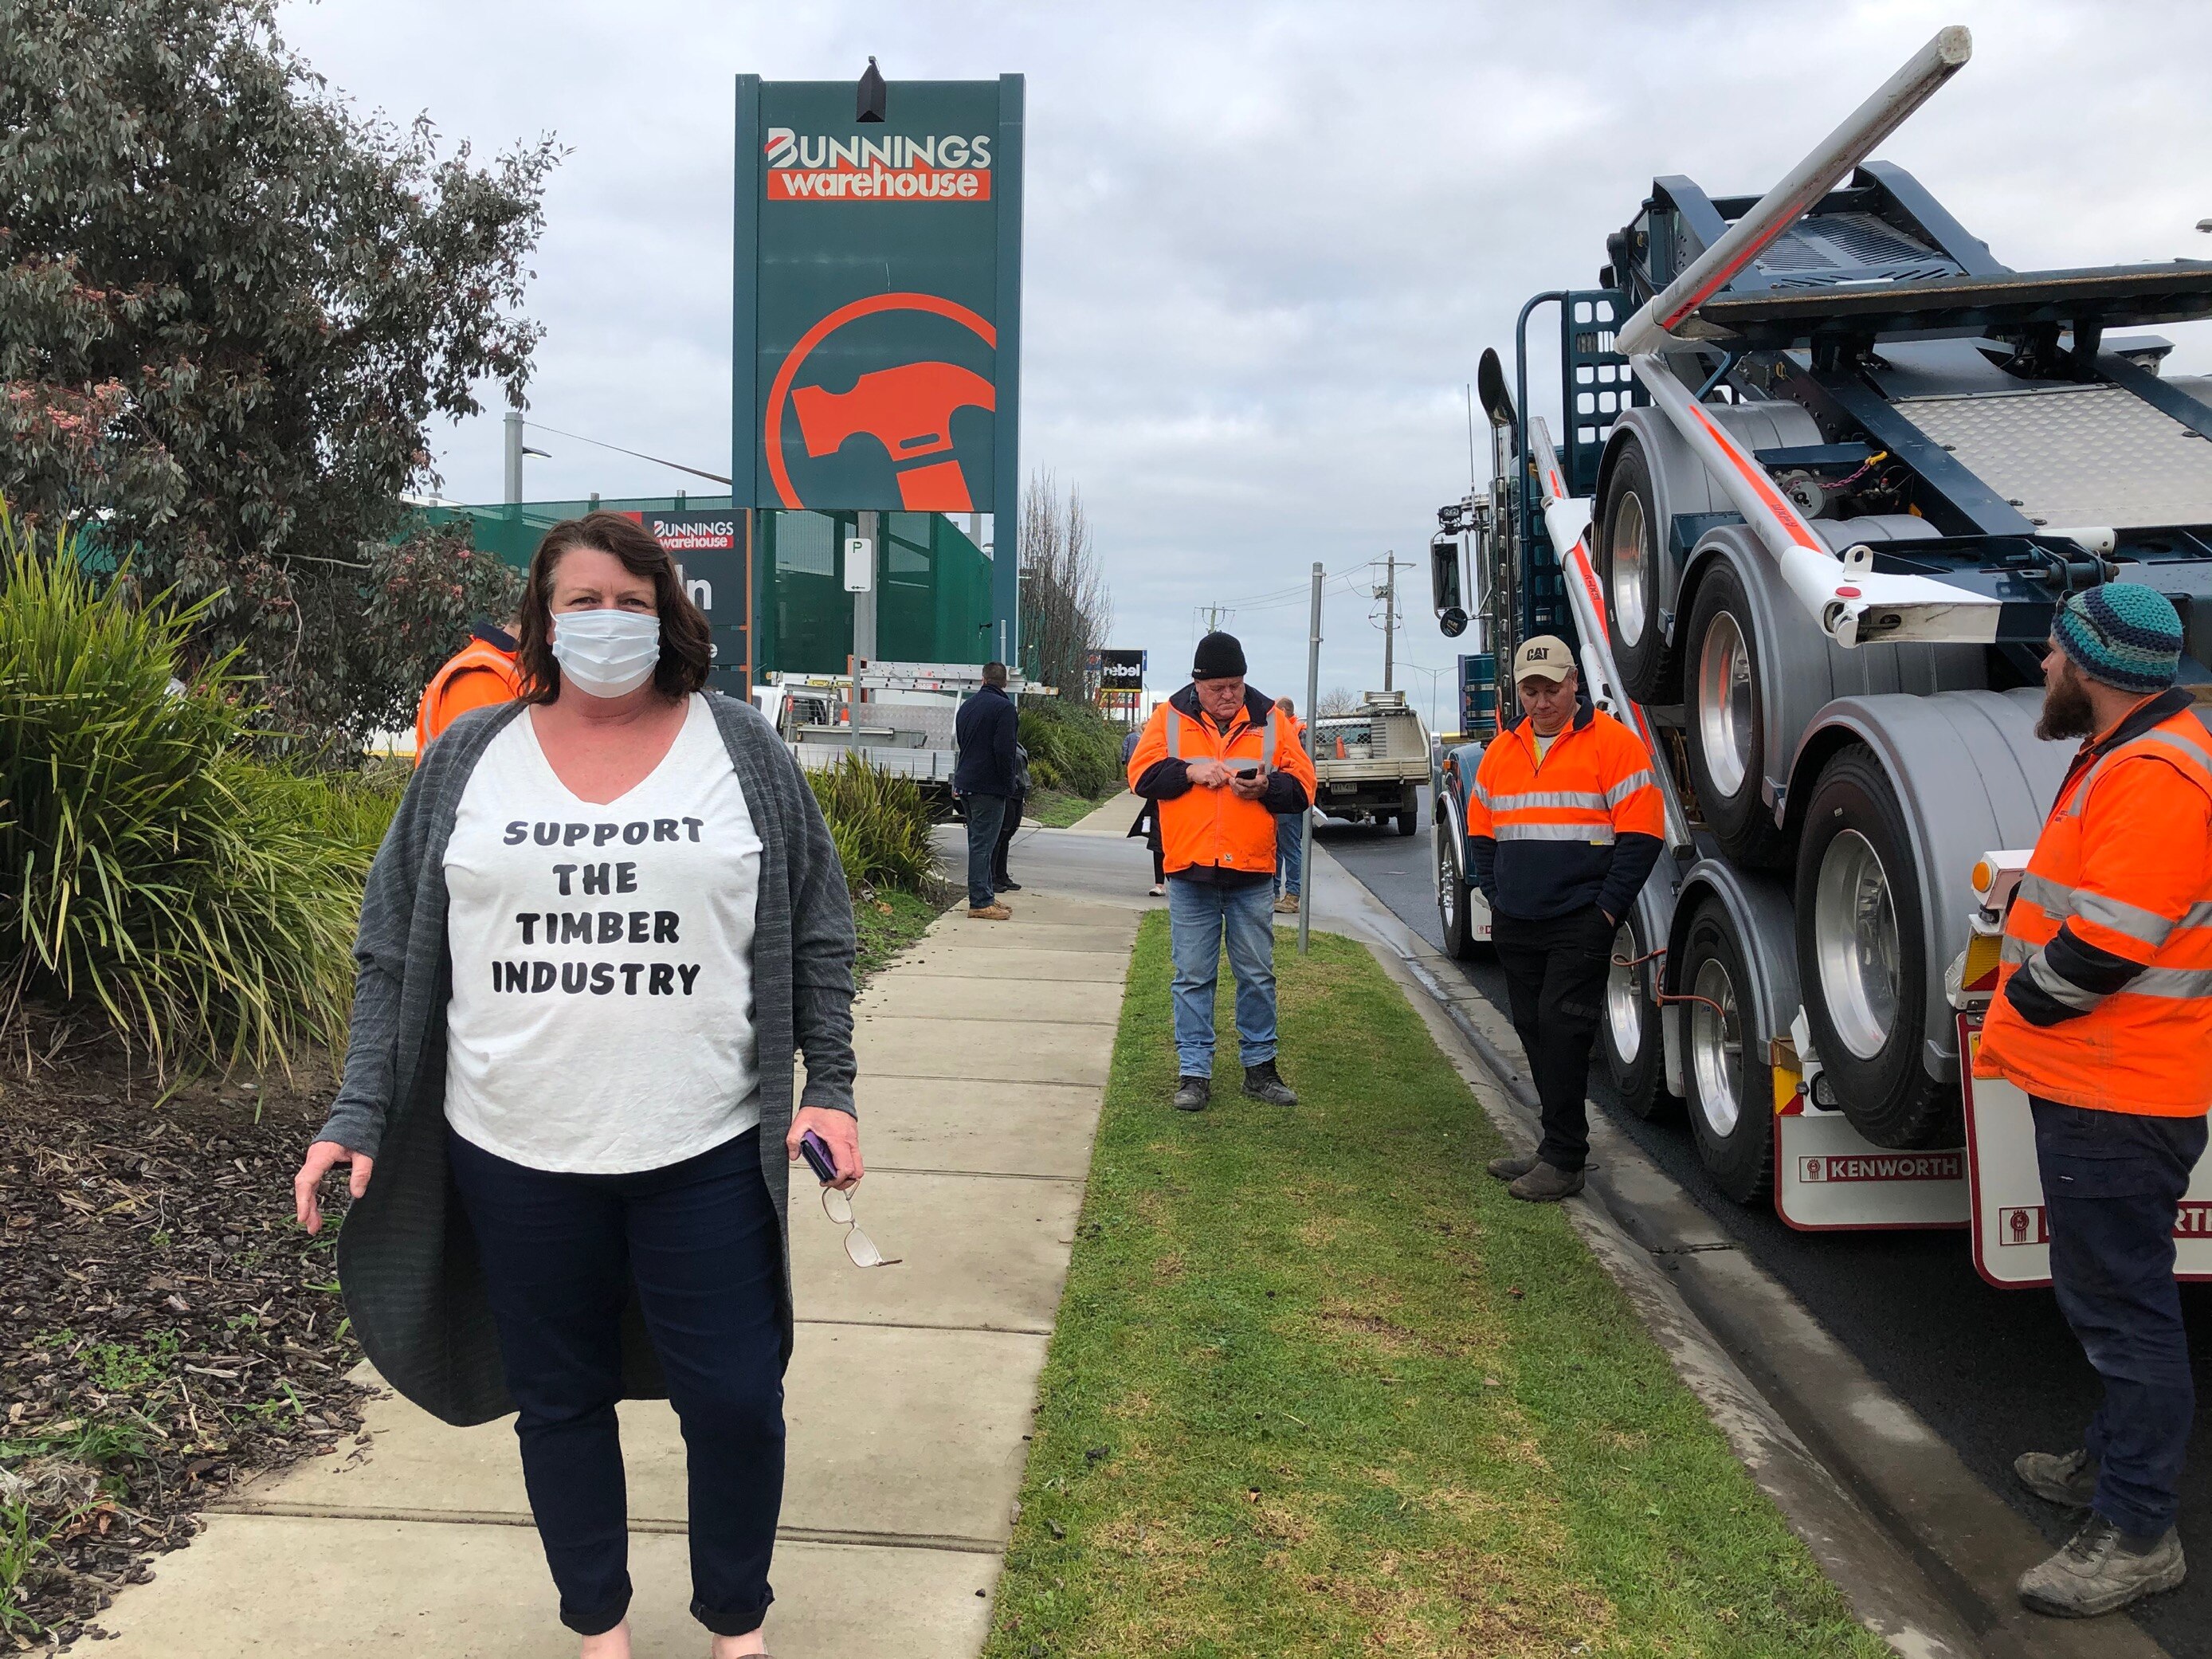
point(1716, 1048)
point(1628, 569)
point(1724, 704)
point(1624, 998)
point(1855, 928)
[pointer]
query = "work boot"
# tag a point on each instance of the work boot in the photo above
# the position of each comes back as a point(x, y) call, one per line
point(1002, 886)
point(1513, 1168)
point(1263, 1082)
point(1287, 905)
point(2068, 1478)
point(989, 913)
point(2098, 1571)
point(1545, 1185)
point(1192, 1093)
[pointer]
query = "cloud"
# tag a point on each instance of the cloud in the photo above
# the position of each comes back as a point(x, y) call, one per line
point(1265, 243)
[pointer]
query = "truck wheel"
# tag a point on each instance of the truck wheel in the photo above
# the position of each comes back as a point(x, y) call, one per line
point(1630, 1035)
point(1452, 910)
point(1407, 822)
point(1726, 715)
point(1860, 957)
point(1731, 1086)
point(1629, 552)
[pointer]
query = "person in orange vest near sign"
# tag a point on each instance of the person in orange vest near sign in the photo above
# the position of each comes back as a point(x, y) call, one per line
point(1219, 762)
point(1564, 824)
point(1289, 830)
point(481, 672)
point(2103, 1016)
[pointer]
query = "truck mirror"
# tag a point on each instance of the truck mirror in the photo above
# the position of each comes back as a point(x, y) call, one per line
point(1490, 383)
point(1453, 621)
point(1443, 574)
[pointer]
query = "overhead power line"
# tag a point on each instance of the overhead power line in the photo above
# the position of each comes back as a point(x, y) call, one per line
point(639, 455)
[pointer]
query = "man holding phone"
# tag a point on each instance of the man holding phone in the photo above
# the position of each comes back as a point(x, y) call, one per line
point(1219, 762)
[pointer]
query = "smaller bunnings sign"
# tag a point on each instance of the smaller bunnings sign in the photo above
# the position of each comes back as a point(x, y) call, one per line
point(709, 549)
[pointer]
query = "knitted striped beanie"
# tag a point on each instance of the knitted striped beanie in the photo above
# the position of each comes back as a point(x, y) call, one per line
point(2124, 633)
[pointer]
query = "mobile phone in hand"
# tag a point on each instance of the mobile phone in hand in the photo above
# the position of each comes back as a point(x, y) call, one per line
point(1247, 771)
point(819, 1159)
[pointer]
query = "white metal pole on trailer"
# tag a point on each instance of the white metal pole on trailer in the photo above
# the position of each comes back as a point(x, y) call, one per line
point(1305, 819)
point(1842, 149)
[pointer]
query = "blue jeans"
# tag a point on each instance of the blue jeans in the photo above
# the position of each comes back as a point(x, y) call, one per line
point(984, 814)
point(698, 1245)
point(1290, 851)
point(1199, 916)
point(2113, 1183)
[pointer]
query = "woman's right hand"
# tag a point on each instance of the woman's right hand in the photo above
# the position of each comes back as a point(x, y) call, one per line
point(308, 1185)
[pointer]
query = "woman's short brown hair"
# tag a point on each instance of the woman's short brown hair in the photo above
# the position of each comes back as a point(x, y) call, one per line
point(687, 643)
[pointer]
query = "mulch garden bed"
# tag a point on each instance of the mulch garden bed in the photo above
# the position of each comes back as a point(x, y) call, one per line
point(166, 1329)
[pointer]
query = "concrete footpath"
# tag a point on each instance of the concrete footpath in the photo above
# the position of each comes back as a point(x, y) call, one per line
point(983, 1057)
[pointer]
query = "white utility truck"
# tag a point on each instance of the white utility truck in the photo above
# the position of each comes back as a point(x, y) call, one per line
point(898, 716)
point(1371, 763)
point(1824, 468)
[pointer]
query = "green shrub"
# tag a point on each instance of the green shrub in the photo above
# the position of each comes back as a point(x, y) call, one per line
point(203, 903)
point(1073, 747)
point(880, 823)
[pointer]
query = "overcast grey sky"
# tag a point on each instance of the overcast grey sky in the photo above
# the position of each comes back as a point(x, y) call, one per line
point(1265, 243)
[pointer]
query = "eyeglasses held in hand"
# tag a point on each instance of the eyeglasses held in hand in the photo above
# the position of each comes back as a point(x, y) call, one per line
point(858, 1245)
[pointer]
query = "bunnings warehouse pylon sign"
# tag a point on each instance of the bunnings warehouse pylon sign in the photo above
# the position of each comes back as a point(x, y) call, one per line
point(879, 298)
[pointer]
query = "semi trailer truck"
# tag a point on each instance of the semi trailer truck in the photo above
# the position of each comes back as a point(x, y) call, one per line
point(1823, 469)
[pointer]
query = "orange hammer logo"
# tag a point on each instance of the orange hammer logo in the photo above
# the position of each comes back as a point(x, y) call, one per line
point(907, 409)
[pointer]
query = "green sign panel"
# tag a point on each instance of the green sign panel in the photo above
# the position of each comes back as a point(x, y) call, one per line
point(879, 270)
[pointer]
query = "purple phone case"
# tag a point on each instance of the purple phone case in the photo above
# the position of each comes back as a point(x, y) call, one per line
point(819, 1159)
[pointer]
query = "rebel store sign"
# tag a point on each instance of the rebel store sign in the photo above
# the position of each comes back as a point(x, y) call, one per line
point(870, 266)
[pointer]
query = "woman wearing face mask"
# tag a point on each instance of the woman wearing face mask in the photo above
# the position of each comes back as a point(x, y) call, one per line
point(605, 918)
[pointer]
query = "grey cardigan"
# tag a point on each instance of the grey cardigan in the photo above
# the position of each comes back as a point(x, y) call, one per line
point(407, 1259)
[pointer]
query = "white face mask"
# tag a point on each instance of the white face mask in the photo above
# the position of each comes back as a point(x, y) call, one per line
point(606, 653)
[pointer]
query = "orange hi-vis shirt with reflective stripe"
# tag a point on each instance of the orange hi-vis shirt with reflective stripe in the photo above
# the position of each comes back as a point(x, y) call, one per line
point(1556, 820)
point(1218, 829)
point(2104, 994)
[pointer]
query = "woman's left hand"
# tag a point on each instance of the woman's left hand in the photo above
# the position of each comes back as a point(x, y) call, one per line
point(841, 1130)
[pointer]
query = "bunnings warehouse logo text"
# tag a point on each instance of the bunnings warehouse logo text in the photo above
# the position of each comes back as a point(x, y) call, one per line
point(950, 168)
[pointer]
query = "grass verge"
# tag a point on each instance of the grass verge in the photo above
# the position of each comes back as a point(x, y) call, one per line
point(889, 920)
point(1055, 809)
point(1319, 1386)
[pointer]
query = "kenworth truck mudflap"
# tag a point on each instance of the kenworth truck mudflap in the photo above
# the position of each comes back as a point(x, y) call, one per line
point(1824, 470)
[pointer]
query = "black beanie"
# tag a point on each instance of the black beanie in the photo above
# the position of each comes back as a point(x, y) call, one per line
point(1218, 657)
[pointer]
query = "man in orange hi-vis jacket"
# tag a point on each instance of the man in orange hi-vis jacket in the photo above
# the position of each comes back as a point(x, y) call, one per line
point(2103, 1015)
point(482, 671)
point(1219, 762)
point(1564, 824)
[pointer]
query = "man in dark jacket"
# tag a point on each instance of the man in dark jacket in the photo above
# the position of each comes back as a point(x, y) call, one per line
point(985, 730)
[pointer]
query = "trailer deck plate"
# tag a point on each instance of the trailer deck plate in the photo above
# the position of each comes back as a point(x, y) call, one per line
point(2070, 455)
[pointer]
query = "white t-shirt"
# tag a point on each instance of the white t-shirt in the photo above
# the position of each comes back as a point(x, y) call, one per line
point(602, 1013)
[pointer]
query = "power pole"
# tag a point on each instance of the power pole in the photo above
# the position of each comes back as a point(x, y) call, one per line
point(1388, 594)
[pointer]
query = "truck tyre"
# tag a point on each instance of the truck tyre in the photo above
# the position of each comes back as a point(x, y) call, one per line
point(1407, 822)
point(1725, 712)
point(1730, 1087)
point(1629, 550)
point(1629, 1034)
point(1452, 909)
point(1860, 959)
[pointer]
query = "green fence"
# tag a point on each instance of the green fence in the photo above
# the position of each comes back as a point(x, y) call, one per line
point(932, 582)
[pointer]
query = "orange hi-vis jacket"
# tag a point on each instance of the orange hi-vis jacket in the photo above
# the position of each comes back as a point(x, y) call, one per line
point(477, 674)
point(1583, 826)
point(2104, 979)
point(1218, 829)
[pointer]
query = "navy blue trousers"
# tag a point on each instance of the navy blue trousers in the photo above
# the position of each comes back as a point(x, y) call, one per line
point(2113, 1183)
point(699, 1241)
point(986, 813)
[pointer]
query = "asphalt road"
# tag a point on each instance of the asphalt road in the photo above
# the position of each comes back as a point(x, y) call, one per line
point(1995, 1373)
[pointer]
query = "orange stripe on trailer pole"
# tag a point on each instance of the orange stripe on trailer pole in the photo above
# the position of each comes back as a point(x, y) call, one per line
point(1776, 502)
